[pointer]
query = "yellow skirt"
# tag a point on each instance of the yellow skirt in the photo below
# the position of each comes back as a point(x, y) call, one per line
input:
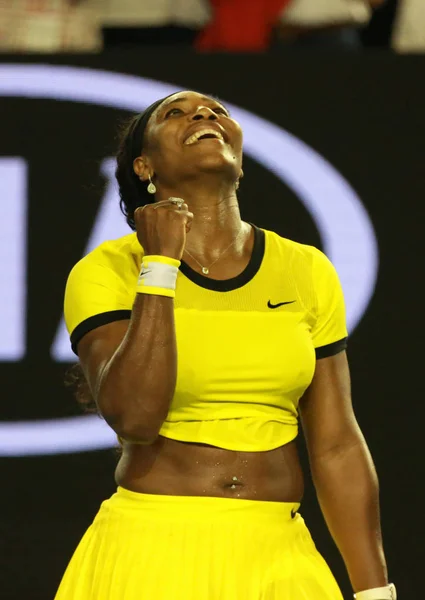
point(155, 547)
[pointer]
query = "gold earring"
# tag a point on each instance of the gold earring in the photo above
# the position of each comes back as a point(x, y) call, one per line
point(151, 186)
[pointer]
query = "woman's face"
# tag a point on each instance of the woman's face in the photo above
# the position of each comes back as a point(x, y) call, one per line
point(190, 133)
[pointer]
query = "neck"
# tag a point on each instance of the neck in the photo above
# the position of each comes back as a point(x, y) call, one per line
point(216, 221)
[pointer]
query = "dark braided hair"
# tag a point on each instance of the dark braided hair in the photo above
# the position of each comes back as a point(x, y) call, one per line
point(133, 192)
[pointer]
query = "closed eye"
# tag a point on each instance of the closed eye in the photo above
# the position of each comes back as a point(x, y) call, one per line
point(173, 110)
point(217, 109)
point(221, 110)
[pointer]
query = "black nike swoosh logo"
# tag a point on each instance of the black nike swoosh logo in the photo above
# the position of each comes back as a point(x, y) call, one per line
point(270, 305)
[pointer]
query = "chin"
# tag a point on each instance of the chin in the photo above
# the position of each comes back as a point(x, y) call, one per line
point(219, 163)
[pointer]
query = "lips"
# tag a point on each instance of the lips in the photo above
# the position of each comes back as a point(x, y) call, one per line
point(208, 132)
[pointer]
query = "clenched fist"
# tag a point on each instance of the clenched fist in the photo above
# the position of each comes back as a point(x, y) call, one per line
point(162, 227)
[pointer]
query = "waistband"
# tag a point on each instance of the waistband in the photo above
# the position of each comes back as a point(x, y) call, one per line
point(160, 506)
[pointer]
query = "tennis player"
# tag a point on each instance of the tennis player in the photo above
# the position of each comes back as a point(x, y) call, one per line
point(203, 339)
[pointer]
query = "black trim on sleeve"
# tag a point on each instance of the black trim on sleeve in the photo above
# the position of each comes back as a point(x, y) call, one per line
point(96, 321)
point(331, 349)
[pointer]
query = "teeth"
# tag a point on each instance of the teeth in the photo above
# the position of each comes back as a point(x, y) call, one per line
point(195, 137)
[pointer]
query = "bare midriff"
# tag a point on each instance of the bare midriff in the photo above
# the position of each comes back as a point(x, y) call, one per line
point(170, 467)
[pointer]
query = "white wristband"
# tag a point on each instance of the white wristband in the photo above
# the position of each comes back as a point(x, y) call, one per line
point(158, 276)
point(383, 593)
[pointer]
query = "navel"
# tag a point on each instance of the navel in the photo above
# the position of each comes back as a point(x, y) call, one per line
point(235, 483)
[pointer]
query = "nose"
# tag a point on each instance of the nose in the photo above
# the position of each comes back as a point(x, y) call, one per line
point(203, 112)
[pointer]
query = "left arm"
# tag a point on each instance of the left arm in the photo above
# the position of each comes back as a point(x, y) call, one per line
point(343, 473)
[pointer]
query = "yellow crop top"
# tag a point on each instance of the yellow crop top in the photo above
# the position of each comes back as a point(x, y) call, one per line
point(247, 346)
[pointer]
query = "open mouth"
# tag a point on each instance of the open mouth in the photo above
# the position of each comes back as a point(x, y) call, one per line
point(204, 134)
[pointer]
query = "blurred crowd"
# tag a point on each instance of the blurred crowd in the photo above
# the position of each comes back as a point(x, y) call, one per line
point(211, 25)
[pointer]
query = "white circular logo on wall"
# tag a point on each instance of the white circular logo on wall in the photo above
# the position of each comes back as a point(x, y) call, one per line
point(346, 231)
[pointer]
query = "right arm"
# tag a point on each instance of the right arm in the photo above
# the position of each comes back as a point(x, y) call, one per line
point(131, 366)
